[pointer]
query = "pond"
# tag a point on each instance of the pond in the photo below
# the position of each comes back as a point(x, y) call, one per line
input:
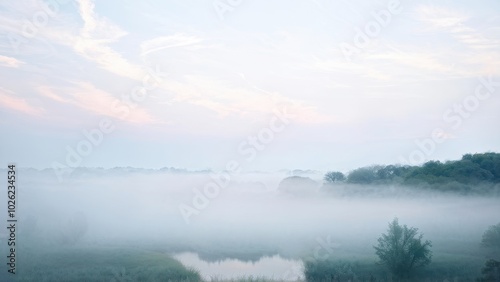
point(274, 267)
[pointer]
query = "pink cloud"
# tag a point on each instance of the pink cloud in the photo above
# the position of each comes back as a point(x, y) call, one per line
point(8, 101)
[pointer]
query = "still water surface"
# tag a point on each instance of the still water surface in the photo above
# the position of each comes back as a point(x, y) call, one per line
point(274, 267)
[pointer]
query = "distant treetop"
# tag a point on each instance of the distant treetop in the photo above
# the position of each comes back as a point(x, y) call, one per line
point(459, 175)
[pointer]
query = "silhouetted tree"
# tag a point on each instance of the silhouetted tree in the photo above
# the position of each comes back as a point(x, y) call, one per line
point(298, 185)
point(334, 176)
point(401, 250)
point(490, 271)
point(491, 237)
point(363, 175)
point(473, 173)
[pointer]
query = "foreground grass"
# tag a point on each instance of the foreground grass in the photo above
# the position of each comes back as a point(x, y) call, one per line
point(442, 268)
point(102, 264)
point(134, 264)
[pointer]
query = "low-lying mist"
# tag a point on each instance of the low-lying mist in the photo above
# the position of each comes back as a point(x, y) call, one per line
point(252, 208)
point(256, 215)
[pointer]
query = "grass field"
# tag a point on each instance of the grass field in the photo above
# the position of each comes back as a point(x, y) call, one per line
point(103, 264)
point(129, 264)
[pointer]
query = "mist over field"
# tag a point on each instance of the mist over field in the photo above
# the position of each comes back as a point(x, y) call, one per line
point(112, 201)
point(257, 217)
point(249, 141)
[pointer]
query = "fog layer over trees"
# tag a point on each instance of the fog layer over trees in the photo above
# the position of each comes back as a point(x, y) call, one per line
point(330, 221)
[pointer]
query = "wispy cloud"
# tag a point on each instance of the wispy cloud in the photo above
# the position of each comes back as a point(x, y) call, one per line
point(476, 53)
point(227, 98)
point(92, 43)
point(440, 17)
point(165, 42)
point(10, 62)
point(8, 100)
point(455, 23)
point(95, 101)
point(423, 62)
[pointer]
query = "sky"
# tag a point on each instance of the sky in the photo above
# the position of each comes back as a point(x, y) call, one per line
point(312, 84)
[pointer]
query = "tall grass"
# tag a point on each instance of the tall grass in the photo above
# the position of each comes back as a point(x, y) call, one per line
point(103, 264)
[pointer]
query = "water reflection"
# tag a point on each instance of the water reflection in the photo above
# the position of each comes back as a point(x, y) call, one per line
point(273, 267)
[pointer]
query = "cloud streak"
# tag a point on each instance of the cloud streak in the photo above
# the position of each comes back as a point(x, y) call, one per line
point(18, 104)
point(165, 42)
point(92, 43)
point(10, 62)
point(95, 101)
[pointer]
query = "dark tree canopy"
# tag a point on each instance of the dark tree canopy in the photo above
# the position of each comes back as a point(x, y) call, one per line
point(470, 170)
point(474, 172)
point(334, 176)
point(363, 175)
point(491, 237)
point(401, 250)
point(490, 271)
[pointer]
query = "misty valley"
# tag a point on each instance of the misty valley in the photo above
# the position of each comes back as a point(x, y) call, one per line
point(250, 141)
point(127, 224)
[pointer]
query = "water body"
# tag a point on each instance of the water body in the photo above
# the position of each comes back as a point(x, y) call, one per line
point(274, 267)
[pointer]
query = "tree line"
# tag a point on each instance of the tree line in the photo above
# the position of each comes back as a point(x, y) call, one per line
point(460, 175)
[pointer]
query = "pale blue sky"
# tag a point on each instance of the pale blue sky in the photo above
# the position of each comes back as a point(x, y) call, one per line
point(223, 73)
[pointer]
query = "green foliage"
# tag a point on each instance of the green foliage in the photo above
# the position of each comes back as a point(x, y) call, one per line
point(349, 266)
point(491, 237)
point(490, 271)
point(401, 250)
point(101, 264)
point(363, 175)
point(392, 173)
point(487, 161)
point(473, 173)
point(334, 176)
point(328, 270)
point(470, 170)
